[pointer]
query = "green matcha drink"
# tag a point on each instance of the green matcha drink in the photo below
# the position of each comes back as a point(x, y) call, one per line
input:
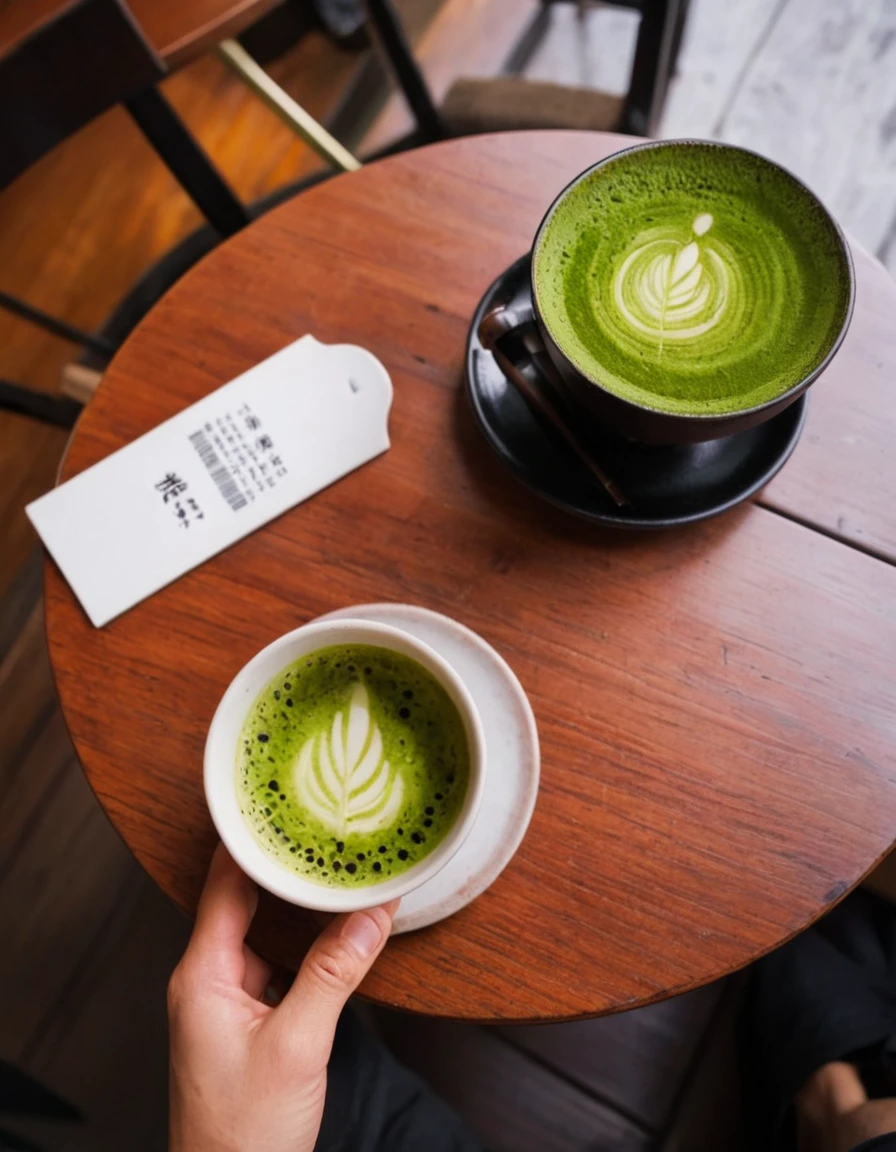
point(691, 279)
point(353, 764)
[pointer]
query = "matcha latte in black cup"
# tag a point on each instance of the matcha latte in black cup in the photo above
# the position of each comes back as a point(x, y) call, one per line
point(686, 290)
point(345, 765)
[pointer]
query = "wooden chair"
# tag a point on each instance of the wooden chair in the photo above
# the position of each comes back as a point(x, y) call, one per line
point(511, 102)
point(58, 70)
point(61, 66)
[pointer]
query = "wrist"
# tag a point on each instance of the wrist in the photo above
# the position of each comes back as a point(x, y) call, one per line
point(198, 1135)
point(183, 1140)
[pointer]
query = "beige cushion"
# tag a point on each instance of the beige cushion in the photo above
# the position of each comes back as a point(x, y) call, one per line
point(506, 103)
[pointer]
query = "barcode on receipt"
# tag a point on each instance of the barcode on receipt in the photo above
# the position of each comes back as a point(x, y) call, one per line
point(218, 471)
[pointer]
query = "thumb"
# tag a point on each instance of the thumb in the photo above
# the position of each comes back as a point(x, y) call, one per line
point(335, 965)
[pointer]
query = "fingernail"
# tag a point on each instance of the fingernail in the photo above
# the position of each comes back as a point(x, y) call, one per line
point(363, 933)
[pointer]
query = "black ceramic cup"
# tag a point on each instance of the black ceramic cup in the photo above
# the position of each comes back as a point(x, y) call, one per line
point(584, 394)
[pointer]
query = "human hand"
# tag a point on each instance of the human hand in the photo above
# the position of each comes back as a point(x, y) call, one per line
point(246, 1076)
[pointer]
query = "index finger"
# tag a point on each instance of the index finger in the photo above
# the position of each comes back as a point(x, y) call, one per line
point(226, 908)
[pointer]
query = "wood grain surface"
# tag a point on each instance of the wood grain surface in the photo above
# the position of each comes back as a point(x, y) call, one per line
point(179, 30)
point(20, 18)
point(715, 704)
point(79, 228)
point(841, 477)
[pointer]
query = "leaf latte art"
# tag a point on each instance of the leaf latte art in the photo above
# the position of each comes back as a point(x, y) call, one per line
point(342, 776)
point(353, 765)
point(669, 289)
point(690, 278)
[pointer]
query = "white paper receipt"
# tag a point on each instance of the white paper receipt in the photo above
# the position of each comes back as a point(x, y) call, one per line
point(246, 453)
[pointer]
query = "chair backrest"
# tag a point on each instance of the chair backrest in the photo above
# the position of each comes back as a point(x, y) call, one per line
point(63, 62)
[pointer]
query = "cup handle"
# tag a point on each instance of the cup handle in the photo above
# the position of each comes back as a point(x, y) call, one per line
point(512, 337)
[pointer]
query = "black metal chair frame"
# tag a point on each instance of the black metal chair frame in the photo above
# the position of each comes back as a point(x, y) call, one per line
point(656, 51)
point(43, 119)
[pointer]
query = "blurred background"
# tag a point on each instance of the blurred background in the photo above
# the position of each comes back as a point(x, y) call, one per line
point(88, 941)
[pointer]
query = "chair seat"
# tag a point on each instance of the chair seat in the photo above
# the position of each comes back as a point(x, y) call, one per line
point(507, 103)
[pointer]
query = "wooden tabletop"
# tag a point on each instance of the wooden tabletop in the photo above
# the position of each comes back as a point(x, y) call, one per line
point(715, 703)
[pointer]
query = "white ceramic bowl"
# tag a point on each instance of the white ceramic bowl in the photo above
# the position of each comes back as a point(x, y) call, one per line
point(220, 770)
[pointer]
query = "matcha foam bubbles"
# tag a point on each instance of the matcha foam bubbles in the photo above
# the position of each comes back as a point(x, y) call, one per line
point(353, 764)
point(691, 278)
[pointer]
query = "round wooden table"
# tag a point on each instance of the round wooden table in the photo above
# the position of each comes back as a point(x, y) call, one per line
point(715, 704)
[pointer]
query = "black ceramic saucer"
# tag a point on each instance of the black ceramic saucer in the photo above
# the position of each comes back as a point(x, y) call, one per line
point(664, 485)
